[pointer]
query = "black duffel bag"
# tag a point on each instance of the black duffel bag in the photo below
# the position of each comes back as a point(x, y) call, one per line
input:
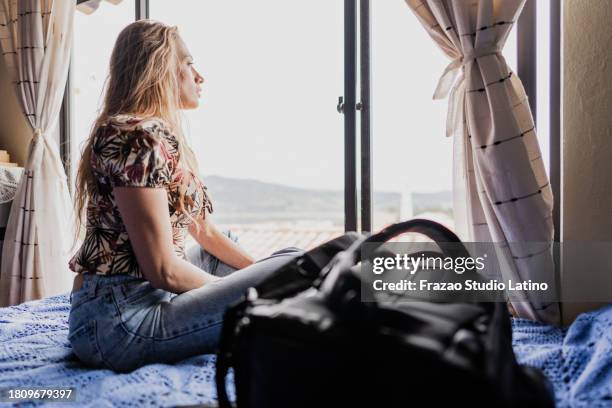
point(303, 338)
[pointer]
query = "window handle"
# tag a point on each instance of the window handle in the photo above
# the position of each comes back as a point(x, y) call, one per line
point(340, 106)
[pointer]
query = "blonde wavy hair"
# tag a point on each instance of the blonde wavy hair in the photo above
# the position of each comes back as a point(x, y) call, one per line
point(144, 81)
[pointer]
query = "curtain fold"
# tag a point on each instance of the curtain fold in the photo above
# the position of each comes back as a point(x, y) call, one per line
point(36, 38)
point(501, 190)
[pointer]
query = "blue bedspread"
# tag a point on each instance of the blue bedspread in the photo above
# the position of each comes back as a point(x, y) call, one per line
point(577, 360)
point(34, 351)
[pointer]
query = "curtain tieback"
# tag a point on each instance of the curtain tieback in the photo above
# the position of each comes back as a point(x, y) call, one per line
point(447, 84)
point(37, 135)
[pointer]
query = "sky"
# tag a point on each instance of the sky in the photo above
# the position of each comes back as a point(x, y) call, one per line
point(274, 72)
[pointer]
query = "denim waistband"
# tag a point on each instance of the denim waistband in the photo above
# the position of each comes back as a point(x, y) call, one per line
point(92, 280)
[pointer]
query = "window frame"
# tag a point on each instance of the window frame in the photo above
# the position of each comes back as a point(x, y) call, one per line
point(357, 25)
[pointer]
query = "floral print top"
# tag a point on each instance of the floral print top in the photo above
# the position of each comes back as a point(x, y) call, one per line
point(128, 151)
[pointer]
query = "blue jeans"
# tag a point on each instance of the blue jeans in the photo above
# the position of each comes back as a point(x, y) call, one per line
point(121, 322)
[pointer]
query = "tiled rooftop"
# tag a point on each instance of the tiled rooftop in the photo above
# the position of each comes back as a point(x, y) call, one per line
point(261, 241)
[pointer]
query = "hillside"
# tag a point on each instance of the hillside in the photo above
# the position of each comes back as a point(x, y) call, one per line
point(247, 201)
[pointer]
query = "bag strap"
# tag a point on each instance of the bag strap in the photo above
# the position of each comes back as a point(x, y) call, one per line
point(224, 357)
point(226, 341)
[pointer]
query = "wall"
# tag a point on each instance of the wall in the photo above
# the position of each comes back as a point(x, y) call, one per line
point(14, 129)
point(587, 141)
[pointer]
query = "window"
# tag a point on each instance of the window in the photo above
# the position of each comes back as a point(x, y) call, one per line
point(267, 133)
point(268, 137)
point(94, 38)
point(412, 158)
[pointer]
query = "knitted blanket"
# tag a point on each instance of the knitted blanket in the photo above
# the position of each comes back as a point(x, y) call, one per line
point(577, 360)
point(34, 352)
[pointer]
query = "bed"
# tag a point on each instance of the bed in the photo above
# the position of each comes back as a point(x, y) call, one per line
point(34, 352)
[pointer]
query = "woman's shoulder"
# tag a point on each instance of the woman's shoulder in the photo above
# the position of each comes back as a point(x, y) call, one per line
point(122, 131)
point(127, 123)
point(130, 151)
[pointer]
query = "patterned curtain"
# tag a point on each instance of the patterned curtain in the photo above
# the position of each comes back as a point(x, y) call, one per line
point(89, 6)
point(501, 190)
point(36, 38)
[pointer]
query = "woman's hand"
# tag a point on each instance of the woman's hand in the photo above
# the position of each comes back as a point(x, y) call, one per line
point(219, 245)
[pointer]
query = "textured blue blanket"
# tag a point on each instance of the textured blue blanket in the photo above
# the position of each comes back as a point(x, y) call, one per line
point(577, 360)
point(34, 351)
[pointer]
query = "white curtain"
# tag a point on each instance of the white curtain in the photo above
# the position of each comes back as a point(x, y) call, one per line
point(501, 190)
point(36, 41)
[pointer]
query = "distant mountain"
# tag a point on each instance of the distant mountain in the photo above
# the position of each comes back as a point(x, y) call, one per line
point(246, 201)
point(439, 201)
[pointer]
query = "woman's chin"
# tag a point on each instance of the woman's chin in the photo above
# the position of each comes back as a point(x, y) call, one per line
point(190, 105)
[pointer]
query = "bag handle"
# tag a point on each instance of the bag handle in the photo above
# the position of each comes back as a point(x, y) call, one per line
point(342, 287)
point(431, 229)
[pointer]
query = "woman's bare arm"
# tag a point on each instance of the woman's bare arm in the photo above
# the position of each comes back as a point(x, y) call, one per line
point(144, 212)
point(219, 245)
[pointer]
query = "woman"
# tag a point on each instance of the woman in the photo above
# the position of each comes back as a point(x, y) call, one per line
point(138, 298)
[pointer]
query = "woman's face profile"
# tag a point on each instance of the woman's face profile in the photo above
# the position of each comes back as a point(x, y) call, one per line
point(191, 80)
